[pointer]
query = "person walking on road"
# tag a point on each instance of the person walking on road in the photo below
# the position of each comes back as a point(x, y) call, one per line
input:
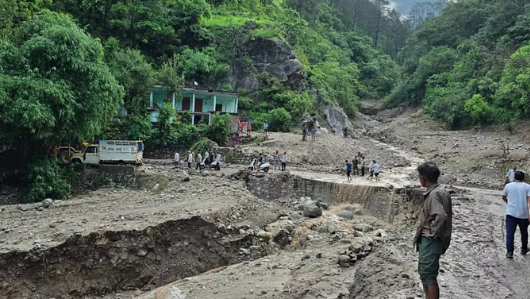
point(277, 160)
point(371, 170)
point(313, 133)
point(376, 171)
point(176, 159)
point(510, 176)
point(348, 170)
point(355, 163)
point(284, 161)
point(190, 160)
point(516, 195)
point(266, 128)
point(304, 134)
point(206, 158)
point(198, 162)
point(433, 236)
point(363, 165)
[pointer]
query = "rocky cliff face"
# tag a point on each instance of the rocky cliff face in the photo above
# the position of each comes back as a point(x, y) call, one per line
point(273, 57)
point(337, 119)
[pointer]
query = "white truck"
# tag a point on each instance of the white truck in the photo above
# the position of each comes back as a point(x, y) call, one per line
point(111, 152)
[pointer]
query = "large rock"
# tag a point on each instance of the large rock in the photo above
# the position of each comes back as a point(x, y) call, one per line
point(356, 209)
point(345, 214)
point(184, 176)
point(273, 57)
point(281, 232)
point(338, 120)
point(312, 211)
point(166, 292)
point(362, 227)
point(48, 202)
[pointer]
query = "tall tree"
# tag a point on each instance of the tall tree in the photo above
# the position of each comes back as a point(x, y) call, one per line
point(54, 83)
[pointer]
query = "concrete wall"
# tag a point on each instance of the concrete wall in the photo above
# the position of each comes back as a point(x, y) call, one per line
point(380, 202)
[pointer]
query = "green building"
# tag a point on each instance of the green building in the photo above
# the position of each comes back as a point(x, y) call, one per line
point(201, 103)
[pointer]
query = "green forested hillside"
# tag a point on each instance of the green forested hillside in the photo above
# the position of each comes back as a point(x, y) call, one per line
point(470, 65)
point(66, 66)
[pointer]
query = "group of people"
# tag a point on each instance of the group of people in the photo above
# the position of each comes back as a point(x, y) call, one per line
point(353, 168)
point(197, 160)
point(305, 132)
point(280, 161)
point(280, 158)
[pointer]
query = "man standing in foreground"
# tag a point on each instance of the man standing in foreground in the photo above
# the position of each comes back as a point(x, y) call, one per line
point(434, 233)
point(517, 197)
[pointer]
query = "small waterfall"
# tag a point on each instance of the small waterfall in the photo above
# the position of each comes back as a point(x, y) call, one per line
point(346, 193)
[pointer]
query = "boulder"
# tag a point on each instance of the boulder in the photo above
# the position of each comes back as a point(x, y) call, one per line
point(381, 233)
point(356, 209)
point(338, 120)
point(275, 227)
point(345, 214)
point(344, 261)
point(166, 292)
point(323, 205)
point(312, 211)
point(362, 227)
point(184, 176)
point(267, 236)
point(48, 202)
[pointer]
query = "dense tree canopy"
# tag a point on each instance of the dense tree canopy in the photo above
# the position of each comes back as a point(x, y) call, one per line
point(469, 66)
point(53, 83)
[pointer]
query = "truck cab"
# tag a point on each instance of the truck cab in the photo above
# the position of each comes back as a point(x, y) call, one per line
point(89, 156)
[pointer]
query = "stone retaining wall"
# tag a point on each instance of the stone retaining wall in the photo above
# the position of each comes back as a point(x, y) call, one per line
point(381, 202)
point(106, 176)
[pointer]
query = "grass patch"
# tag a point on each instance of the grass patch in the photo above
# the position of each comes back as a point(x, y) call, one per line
point(227, 21)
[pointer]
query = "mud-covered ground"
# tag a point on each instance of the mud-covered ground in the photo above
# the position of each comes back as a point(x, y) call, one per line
point(384, 266)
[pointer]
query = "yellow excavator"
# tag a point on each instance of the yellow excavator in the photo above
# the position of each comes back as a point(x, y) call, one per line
point(65, 152)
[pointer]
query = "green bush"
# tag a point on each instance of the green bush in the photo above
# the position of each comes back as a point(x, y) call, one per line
point(185, 117)
point(478, 109)
point(185, 136)
point(279, 120)
point(45, 178)
point(204, 144)
point(140, 129)
point(219, 129)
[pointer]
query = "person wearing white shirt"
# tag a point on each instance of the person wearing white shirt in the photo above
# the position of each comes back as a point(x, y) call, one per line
point(376, 171)
point(177, 159)
point(371, 170)
point(510, 176)
point(190, 160)
point(284, 161)
point(516, 195)
point(206, 158)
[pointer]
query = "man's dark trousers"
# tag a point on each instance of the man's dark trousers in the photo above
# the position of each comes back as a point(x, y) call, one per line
point(511, 226)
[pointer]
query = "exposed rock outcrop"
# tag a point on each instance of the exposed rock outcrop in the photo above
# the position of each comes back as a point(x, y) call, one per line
point(337, 119)
point(273, 57)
